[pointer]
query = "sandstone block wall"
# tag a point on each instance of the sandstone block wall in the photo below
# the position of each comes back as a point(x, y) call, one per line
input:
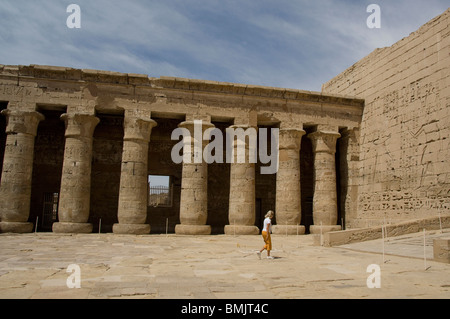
point(441, 250)
point(399, 161)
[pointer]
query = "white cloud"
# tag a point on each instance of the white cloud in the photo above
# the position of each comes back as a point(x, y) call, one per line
point(285, 43)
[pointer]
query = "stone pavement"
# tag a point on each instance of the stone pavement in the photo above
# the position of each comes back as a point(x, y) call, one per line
point(34, 266)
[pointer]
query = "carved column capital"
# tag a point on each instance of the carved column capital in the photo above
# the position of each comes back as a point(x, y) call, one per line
point(290, 138)
point(22, 122)
point(190, 125)
point(138, 128)
point(80, 125)
point(324, 141)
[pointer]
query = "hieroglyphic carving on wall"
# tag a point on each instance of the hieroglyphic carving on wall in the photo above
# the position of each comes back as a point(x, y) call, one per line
point(403, 169)
point(405, 202)
point(16, 91)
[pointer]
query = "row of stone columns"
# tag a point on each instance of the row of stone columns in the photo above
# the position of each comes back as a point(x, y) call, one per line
point(288, 194)
point(132, 211)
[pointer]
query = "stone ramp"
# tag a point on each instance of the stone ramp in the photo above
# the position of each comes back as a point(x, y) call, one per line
point(409, 245)
point(343, 237)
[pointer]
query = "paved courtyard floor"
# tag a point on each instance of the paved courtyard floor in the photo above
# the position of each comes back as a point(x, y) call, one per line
point(35, 266)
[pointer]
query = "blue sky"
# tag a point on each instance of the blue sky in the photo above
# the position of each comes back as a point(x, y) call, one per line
point(284, 43)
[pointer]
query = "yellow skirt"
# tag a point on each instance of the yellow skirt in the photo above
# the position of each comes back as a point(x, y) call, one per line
point(267, 240)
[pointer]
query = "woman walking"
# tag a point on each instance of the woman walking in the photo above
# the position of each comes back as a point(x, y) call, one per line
point(266, 234)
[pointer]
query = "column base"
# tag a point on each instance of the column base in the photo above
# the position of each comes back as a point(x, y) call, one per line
point(314, 229)
point(241, 230)
point(16, 227)
point(288, 229)
point(182, 229)
point(131, 229)
point(72, 228)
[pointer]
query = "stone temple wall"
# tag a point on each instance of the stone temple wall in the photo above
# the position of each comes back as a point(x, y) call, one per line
point(77, 148)
point(403, 158)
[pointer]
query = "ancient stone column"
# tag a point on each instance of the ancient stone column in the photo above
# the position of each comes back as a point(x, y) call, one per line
point(241, 211)
point(194, 183)
point(74, 202)
point(325, 191)
point(133, 193)
point(15, 189)
point(288, 196)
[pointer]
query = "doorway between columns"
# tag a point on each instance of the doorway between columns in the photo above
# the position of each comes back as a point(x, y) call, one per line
point(47, 168)
point(107, 149)
point(3, 106)
point(307, 179)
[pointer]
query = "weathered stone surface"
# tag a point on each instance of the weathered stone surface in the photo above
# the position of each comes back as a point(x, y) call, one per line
point(119, 98)
point(241, 211)
point(288, 192)
point(134, 229)
point(186, 229)
point(33, 266)
point(74, 203)
point(16, 227)
point(194, 186)
point(72, 227)
point(441, 250)
point(132, 210)
point(15, 189)
point(325, 192)
point(403, 151)
point(336, 238)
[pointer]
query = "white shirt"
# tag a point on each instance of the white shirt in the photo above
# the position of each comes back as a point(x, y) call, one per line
point(267, 222)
